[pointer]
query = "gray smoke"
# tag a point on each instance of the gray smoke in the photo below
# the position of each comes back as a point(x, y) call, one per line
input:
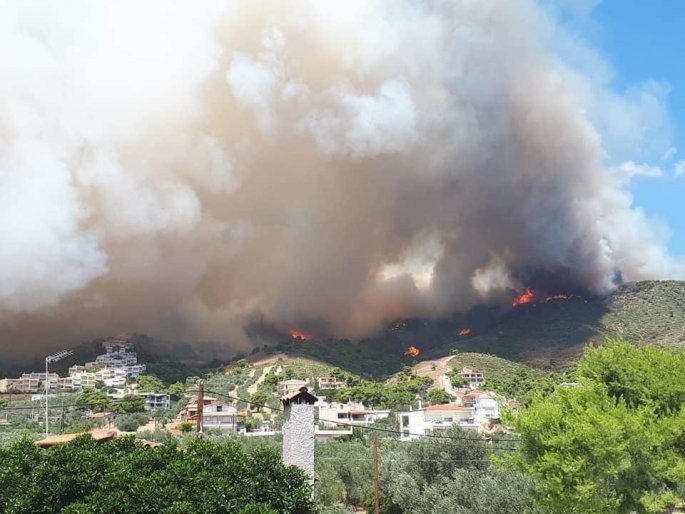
point(184, 171)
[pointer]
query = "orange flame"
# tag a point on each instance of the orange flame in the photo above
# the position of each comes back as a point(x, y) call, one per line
point(464, 331)
point(557, 297)
point(527, 297)
point(412, 351)
point(299, 335)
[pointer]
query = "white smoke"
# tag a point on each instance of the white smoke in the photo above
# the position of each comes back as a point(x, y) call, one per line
point(186, 169)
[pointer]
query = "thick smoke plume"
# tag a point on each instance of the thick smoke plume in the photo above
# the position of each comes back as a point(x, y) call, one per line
point(188, 170)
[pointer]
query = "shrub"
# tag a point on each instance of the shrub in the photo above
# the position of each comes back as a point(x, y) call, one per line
point(131, 422)
point(186, 426)
point(123, 476)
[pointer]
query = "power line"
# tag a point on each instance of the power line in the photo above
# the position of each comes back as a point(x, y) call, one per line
point(59, 406)
point(39, 407)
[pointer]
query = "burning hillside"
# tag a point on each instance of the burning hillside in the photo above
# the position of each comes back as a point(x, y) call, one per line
point(299, 335)
point(204, 170)
point(412, 351)
point(526, 297)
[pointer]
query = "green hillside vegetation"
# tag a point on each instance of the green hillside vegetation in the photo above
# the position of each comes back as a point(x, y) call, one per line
point(648, 312)
point(511, 379)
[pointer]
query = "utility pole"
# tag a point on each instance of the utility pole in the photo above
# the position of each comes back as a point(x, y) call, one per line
point(376, 505)
point(47, 388)
point(200, 406)
point(51, 358)
point(61, 423)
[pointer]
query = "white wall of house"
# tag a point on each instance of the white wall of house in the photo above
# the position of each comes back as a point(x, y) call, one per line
point(353, 413)
point(447, 385)
point(414, 424)
point(220, 416)
point(486, 408)
point(286, 387)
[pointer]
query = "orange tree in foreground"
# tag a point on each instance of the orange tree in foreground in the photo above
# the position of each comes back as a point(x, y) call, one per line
point(125, 477)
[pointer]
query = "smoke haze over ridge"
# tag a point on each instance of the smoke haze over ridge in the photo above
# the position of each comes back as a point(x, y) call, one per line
point(186, 172)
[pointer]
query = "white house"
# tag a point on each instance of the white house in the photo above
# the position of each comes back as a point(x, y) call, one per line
point(474, 379)
point(331, 383)
point(287, 387)
point(215, 414)
point(476, 408)
point(486, 408)
point(346, 414)
point(414, 424)
point(156, 401)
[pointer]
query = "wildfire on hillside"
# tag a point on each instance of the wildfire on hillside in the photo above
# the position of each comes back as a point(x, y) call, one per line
point(464, 331)
point(527, 297)
point(412, 351)
point(299, 335)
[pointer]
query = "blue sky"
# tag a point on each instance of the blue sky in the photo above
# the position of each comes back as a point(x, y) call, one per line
point(643, 43)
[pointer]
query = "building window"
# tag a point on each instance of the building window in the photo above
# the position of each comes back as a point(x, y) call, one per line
point(219, 408)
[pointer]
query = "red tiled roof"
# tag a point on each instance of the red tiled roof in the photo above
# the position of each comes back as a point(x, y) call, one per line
point(98, 436)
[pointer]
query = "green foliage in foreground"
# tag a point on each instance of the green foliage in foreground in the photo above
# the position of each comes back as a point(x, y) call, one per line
point(615, 443)
point(125, 477)
point(422, 477)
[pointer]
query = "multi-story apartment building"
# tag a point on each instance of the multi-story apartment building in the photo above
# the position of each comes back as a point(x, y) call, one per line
point(117, 359)
point(29, 382)
point(111, 368)
point(156, 401)
point(473, 379)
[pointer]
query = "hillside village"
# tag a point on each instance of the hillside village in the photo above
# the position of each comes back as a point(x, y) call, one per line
point(462, 412)
point(244, 399)
point(419, 398)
